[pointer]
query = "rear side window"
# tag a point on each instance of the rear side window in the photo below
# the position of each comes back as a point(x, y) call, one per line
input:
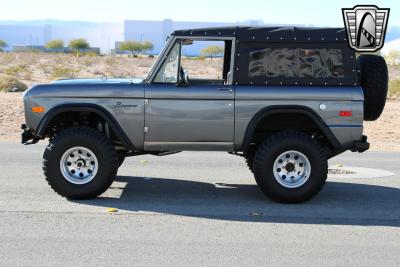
point(296, 63)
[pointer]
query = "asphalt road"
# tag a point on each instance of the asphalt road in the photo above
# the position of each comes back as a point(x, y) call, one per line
point(197, 208)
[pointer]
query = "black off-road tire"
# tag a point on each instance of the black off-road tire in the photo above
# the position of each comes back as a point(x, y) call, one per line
point(249, 157)
point(121, 158)
point(83, 137)
point(279, 143)
point(374, 81)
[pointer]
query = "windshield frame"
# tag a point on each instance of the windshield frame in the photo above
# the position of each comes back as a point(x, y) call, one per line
point(162, 56)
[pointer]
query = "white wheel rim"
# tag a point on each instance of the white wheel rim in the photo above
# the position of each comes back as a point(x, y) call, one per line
point(292, 169)
point(79, 165)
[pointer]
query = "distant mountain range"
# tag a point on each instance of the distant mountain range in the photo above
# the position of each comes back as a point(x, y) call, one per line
point(55, 22)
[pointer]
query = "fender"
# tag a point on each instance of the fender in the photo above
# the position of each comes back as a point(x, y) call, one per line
point(102, 112)
point(281, 109)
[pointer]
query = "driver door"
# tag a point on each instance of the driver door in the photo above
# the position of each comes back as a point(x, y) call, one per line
point(187, 114)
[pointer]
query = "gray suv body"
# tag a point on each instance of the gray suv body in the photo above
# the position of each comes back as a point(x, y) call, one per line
point(289, 99)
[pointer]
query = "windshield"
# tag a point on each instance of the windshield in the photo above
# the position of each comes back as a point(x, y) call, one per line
point(168, 73)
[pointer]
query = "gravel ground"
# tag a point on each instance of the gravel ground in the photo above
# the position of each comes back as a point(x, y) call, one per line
point(384, 134)
point(11, 116)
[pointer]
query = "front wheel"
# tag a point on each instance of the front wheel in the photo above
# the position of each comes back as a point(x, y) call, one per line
point(80, 163)
point(290, 167)
point(121, 158)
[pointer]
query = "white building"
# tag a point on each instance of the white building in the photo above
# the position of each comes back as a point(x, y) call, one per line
point(101, 35)
point(157, 31)
point(23, 35)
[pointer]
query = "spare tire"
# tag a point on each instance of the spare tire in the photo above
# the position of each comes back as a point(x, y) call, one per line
point(374, 81)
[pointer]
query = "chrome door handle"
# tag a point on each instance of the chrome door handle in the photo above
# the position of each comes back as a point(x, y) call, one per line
point(225, 89)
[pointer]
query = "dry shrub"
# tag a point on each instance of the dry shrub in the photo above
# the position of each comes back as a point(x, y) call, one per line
point(97, 72)
point(7, 59)
point(110, 61)
point(30, 58)
point(17, 70)
point(63, 72)
point(11, 84)
point(91, 54)
point(87, 61)
point(394, 89)
point(44, 68)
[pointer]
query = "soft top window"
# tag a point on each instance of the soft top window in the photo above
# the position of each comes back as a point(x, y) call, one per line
point(296, 63)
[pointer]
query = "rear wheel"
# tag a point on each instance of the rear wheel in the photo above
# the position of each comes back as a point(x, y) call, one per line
point(290, 167)
point(80, 163)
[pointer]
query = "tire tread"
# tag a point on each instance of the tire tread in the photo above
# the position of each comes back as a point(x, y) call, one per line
point(279, 138)
point(100, 139)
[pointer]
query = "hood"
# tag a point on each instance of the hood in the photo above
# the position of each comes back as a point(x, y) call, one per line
point(89, 88)
point(97, 81)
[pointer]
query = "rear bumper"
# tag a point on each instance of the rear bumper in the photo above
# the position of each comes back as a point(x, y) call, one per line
point(360, 146)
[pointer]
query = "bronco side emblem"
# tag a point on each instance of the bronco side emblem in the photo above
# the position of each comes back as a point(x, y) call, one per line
point(366, 27)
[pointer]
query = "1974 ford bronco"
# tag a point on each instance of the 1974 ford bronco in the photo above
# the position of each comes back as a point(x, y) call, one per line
point(286, 99)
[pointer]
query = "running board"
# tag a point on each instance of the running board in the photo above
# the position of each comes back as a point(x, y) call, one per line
point(165, 153)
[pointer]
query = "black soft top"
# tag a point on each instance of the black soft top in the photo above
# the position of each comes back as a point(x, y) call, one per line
point(271, 34)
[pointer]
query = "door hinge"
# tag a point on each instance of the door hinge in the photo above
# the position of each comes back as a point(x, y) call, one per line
point(146, 101)
point(146, 129)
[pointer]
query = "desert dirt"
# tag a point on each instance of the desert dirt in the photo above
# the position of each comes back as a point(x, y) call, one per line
point(35, 68)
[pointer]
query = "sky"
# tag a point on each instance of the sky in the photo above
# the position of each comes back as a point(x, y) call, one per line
point(308, 12)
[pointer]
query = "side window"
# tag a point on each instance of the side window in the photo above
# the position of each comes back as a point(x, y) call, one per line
point(168, 73)
point(205, 61)
point(296, 63)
